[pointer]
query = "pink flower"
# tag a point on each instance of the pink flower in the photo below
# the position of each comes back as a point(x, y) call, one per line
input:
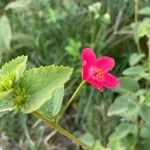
point(95, 71)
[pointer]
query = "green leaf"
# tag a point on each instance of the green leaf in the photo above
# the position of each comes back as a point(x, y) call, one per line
point(18, 5)
point(88, 139)
point(73, 48)
point(134, 71)
point(6, 82)
point(120, 106)
point(145, 131)
point(147, 98)
point(20, 40)
point(128, 141)
point(98, 145)
point(143, 28)
point(52, 107)
point(40, 83)
point(6, 102)
point(123, 129)
point(145, 114)
point(10, 73)
point(114, 144)
point(17, 66)
point(5, 34)
point(135, 58)
point(132, 111)
point(144, 11)
point(128, 84)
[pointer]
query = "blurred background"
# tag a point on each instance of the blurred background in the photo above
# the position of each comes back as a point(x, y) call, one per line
point(54, 32)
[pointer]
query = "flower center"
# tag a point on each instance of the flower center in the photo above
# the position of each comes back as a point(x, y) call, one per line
point(99, 73)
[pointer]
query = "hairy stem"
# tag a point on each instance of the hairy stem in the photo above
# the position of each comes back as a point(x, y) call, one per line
point(136, 22)
point(139, 125)
point(148, 44)
point(70, 101)
point(64, 132)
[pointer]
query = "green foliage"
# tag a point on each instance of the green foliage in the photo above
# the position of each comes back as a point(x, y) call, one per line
point(10, 74)
point(6, 102)
point(123, 106)
point(147, 98)
point(20, 40)
point(145, 114)
point(40, 83)
point(5, 34)
point(50, 31)
point(135, 58)
point(17, 66)
point(128, 84)
point(142, 29)
point(123, 129)
point(18, 5)
point(144, 11)
point(114, 144)
point(98, 146)
point(73, 48)
point(30, 90)
point(134, 71)
point(6, 82)
point(88, 139)
point(53, 106)
point(145, 131)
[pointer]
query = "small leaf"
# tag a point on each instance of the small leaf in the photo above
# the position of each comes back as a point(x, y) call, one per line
point(147, 98)
point(145, 131)
point(134, 71)
point(73, 48)
point(88, 139)
point(5, 34)
point(18, 5)
point(52, 107)
point(17, 65)
point(128, 84)
point(145, 114)
point(114, 144)
point(143, 28)
point(135, 58)
point(40, 83)
point(144, 11)
point(20, 40)
point(120, 105)
point(98, 145)
point(6, 102)
point(6, 82)
point(10, 73)
point(123, 129)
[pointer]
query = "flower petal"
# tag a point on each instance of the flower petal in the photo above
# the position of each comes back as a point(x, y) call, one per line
point(88, 57)
point(110, 81)
point(105, 63)
point(88, 60)
point(95, 83)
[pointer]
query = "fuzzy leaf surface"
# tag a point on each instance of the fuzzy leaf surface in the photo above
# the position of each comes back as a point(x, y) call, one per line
point(40, 83)
point(53, 106)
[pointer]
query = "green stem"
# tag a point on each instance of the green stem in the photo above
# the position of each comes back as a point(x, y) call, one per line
point(139, 125)
point(64, 132)
point(148, 44)
point(136, 22)
point(70, 101)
